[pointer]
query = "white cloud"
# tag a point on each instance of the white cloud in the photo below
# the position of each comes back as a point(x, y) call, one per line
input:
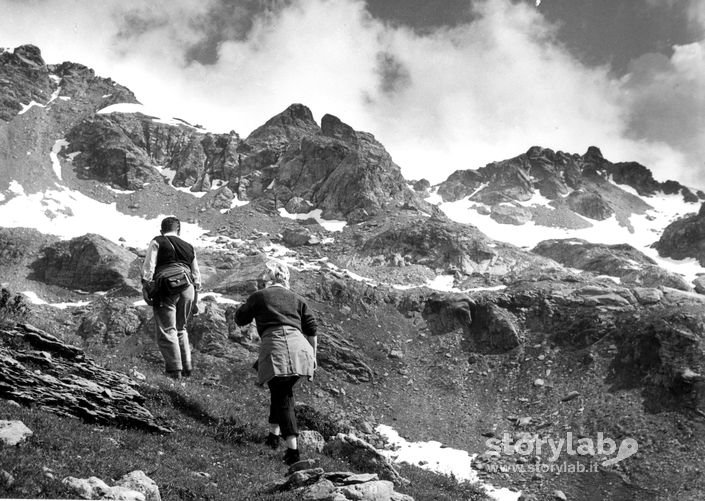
point(445, 100)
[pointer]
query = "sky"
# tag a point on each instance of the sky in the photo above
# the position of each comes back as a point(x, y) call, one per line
point(443, 84)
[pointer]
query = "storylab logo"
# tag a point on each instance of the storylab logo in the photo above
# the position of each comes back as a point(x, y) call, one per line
point(533, 445)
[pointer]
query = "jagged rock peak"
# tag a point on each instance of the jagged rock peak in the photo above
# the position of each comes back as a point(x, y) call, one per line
point(332, 126)
point(295, 115)
point(29, 54)
point(593, 152)
point(291, 124)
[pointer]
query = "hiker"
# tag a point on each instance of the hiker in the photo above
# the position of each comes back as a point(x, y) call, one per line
point(288, 350)
point(170, 272)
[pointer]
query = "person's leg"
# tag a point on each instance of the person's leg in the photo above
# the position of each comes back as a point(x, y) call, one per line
point(167, 338)
point(287, 417)
point(183, 311)
point(275, 395)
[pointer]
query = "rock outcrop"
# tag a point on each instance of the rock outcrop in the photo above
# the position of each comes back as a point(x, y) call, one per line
point(37, 369)
point(364, 456)
point(684, 238)
point(337, 169)
point(316, 484)
point(90, 263)
point(448, 247)
point(622, 261)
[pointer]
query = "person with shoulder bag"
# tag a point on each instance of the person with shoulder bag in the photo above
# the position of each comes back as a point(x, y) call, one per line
point(170, 281)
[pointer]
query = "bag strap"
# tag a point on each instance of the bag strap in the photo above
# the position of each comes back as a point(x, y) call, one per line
point(186, 268)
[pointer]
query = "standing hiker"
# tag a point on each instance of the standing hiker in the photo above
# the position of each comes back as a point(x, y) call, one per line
point(170, 275)
point(288, 350)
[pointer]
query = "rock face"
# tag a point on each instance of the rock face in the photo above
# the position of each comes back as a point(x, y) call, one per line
point(25, 77)
point(447, 247)
point(38, 369)
point(486, 327)
point(621, 260)
point(124, 150)
point(109, 321)
point(684, 238)
point(335, 168)
point(91, 263)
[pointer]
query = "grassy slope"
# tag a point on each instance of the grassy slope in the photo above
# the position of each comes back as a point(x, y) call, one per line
point(218, 430)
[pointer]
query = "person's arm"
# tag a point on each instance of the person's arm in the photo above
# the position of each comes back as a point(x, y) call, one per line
point(309, 327)
point(150, 261)
point(196, 273)
point(245, 313)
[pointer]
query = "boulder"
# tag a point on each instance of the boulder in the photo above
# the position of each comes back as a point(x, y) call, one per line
point(297, 205)
point(493, 330)
point(447, 313)
point(13, 433)
point(297, 236)
point(109, 321)
point(311, 440)
point(87, 488)
point(684, 238)
point(138, 481)
point(320, 491)
point(90, 263)
point(378, 490)
point(507, 214)
point(590, 205)
point(699, 284)
point(209, 331)
point(363, 456)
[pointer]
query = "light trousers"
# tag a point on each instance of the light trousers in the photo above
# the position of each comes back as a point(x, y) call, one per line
point(171, 315)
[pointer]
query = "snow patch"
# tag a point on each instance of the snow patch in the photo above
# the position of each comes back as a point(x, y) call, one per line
point(27, 107)
point(329, 224)
point(153, 113)
point(68, 214)
point(35, 299)
point(434, 457)
point(219, 298)
point(647, 229)
point(54, 155)
point(16, 188)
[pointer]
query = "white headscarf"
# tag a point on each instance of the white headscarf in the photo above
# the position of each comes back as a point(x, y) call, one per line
point(276, 273)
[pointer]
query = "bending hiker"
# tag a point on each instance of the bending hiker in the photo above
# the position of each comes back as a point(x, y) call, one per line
point(288, 351)
point(170, 269)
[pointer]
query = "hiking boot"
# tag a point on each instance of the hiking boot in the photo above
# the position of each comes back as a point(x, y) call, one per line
point(291, 456)
point(186, 373)
point(173, 374)
point(272, 441)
